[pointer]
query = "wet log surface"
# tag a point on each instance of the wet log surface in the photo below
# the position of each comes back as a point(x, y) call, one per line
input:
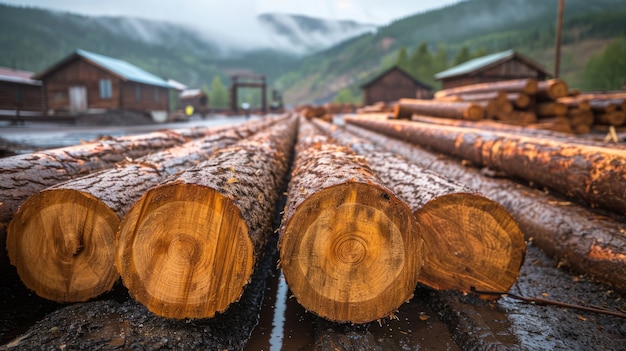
point(23, 175)
point(404, 108)
point(587, 241)
point(470, 241)
point(62, 239)
point(527, 86)
point(188, 247)
point(591, 174)
point(349, 248)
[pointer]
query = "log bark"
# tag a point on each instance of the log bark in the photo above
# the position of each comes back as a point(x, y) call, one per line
point(62, 239)
point(591, 174)
point(546, 109)
point(469, 240)
point(540, 130)
point(575, 102)
point(520, 100)
point(404, 108)
point(604, 106)
point(350, 249)
point(23, 175)
point(615, 118)
point(587, 242)
point(527, 86)
point(188, 247)
point(552, 89)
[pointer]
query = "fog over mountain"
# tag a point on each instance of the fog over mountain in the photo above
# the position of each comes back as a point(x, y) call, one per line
point(292, 34)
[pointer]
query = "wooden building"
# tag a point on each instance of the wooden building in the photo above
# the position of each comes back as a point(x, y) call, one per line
point(394, 84)
point(20, 94)
point(194, 101)
point(500, 66)
point(87, 82)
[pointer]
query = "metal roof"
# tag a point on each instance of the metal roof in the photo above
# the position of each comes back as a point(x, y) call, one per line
point(124, 69)
point(475, 64)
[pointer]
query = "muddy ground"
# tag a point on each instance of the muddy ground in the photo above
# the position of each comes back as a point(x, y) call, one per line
point(267, 319)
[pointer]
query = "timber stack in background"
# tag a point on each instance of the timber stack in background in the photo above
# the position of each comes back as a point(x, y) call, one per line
point(529, 103)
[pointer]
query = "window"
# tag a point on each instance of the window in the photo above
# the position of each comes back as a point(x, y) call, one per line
point(105, 89)
point(157, 95)
point(138, 92)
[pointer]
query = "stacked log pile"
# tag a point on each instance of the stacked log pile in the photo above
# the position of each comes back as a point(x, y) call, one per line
point(526, 102)
point(564, 225)
point(188, 246)
point(84, 214)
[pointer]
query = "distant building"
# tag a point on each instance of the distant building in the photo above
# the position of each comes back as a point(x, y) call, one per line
point(394, 84)
point(88, 82)
point(19, 93)
point(500, 66)
point(194, 101)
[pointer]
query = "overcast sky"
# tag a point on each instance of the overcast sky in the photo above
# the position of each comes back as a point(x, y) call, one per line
point(216, 13)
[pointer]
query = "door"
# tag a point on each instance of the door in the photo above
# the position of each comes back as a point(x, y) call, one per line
point(78, 98)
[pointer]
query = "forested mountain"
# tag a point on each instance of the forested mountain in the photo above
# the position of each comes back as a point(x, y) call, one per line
point(478, 26)
point(32, 39)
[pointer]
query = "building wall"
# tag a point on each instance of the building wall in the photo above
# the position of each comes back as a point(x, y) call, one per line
point(23, 97)
point(391, 87)
point(512, 69)
point(80, 73)
point(143, 97)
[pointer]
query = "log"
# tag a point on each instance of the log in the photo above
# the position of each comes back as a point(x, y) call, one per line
point(350, 250)
point(469, 240)
point(591, 174)
point(541, 129)
point(188, 247)
point(551, 90)
point(575, 102)
point(587, 242)
point(23, 175)
point(520, 100)
point(561, 124)
point(62, 239)
point(527, 86)
point(604, 106)
point(521, 118)
point(580, 117)
point(404, 108)
point(499, 97)
point(615, 118)
point(547, 109)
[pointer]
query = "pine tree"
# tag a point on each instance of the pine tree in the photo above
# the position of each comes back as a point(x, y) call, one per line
point(403, 59)
point(462, 55)
point(344, 96)
point(219, 95)
point(607, 71)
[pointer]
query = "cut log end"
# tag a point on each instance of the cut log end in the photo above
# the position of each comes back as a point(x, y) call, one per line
point(487, 245)
point(62, 243)
point(352, 253)
point(184, 251)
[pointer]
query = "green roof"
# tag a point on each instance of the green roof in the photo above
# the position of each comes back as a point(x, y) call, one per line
point(475, 64)
point(124, 69)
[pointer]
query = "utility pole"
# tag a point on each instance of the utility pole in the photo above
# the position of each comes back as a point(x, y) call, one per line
point(557, 44)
